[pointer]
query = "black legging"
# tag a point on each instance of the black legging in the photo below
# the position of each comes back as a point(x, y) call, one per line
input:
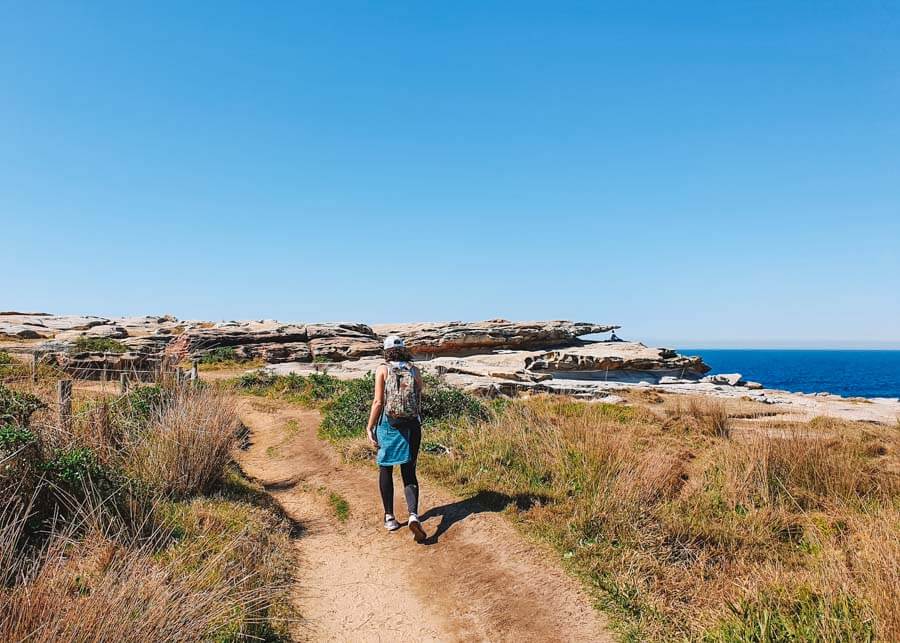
point(407, 472)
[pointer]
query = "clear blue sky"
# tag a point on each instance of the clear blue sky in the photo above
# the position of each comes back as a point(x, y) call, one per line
point(701, 173)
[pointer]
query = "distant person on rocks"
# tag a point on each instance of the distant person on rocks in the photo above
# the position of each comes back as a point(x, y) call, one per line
point(395, 427)
point(614, 338)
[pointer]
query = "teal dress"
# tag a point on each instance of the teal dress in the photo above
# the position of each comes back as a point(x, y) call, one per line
point(393, 442)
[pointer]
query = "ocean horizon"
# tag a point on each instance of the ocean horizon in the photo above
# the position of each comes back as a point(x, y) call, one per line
point(850, 372)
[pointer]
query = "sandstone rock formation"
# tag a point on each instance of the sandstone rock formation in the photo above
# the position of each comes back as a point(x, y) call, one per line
point(493, 356)
point(602, 357)
point(42, 325)
point(461, 338)
point(728, 379)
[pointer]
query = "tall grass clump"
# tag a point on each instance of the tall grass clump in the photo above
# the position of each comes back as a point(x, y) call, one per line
point(704, 415)
point(188, 445)
point(806, 468)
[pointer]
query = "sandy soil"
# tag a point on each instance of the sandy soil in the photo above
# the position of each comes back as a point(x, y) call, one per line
point(475, 578)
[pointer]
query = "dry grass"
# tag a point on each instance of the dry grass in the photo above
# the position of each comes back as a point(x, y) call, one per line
point(803, 466)
point(212, 581)
point(687, 531)
point(875, 566)
point(105, 534)
point(188, 445)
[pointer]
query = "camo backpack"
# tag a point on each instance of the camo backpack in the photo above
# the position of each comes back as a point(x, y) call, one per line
point(401, 399)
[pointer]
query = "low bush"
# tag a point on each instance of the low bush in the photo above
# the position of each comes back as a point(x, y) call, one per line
point(345, 415)
point(18, 407)
point(219, 355)
point(309, 390)
point(14, 437)
point(74, 467)
point(441, 402)
point(86, 344)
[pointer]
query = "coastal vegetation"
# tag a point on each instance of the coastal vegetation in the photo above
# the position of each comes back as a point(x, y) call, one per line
point(346, 403)
point(225, 357)
point(86, 344)
point(132, 523)
point(689, 518)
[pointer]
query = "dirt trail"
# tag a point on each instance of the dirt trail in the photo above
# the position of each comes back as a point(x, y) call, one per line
point(476, 579)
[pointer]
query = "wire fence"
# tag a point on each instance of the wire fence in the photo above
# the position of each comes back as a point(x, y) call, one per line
point(110, 383)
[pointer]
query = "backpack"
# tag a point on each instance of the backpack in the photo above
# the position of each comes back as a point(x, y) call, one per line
point(401, 399)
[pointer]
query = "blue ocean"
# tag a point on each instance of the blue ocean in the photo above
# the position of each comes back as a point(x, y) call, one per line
point(851, 373)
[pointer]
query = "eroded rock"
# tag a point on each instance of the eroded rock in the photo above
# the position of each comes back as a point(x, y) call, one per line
point(725, 379)
point(461, 338)
point(603, 357)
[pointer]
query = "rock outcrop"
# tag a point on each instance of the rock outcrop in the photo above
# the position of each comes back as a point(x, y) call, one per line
point(602, 357)
point(492, 356)
point(461, 338)
point(285, 343)
point(42, 325)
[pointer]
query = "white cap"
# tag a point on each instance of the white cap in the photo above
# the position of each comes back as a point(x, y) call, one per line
point(393, 341)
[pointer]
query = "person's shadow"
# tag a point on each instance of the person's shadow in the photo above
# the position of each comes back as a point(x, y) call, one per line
point(485, 500)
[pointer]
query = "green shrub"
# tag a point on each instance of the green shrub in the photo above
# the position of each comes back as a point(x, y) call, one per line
point(96, 345)
point(143, 403)
point(346, 413)
point(18, 407)
point(442, 402)
point(6, 358)
point(13, 437)
point(220, 355)
point(74, 466)
point(256, 381)
point(309, 390)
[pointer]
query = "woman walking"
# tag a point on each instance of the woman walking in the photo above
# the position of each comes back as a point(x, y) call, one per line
point(396, 429)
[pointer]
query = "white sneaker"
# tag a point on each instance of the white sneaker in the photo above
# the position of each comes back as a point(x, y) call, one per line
point(416, 528)
point(390, 523)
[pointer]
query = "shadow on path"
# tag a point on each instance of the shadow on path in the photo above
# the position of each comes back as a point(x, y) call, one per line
point(483, 501)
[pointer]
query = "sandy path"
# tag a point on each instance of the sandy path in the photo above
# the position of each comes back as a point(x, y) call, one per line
point(477, 579)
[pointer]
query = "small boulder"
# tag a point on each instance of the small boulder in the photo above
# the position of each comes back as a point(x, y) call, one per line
point(753, 386)
point(727, 379)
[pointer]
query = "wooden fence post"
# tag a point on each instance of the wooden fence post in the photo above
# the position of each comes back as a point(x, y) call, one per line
point(64, 399)
point(123, 382)
point(35, 360)
point(195, 370)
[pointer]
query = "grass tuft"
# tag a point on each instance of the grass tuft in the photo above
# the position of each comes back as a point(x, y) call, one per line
point(340, 505)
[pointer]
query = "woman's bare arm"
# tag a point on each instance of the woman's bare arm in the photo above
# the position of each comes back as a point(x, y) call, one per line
point(377, 404)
